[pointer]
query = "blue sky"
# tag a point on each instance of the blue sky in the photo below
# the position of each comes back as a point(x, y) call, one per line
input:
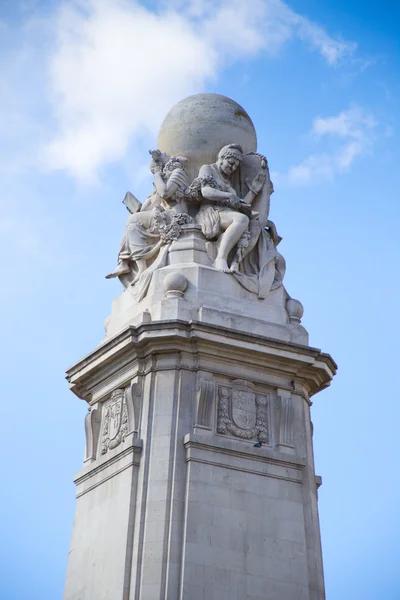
point(84, 87)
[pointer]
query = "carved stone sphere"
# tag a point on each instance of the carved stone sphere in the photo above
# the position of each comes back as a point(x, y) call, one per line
point(295, 310)
point(175, 285)
point(199, 126)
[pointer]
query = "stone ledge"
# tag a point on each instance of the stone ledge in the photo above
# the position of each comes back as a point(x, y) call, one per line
point(239, 455)
point(312, 367)
point(109, 465)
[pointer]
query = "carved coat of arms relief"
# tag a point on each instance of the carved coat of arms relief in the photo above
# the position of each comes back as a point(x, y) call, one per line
point(115, 422)
point(242, 412)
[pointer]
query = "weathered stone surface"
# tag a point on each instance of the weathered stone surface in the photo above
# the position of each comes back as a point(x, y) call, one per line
point(199, 510)
point(199, 126)
point(198, 480)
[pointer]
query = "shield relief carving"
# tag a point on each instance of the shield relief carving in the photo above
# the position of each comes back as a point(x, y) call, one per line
point(243, 407)
point(115, 425)
point(242, 412)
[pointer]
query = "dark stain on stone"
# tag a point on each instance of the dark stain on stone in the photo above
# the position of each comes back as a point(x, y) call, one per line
point(239, 112)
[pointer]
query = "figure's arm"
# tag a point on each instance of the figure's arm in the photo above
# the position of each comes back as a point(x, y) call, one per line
point(249, 197)
point(147, 203)
point(214, 194)
point(255, 186)
point(276, 238)
point(164, 189)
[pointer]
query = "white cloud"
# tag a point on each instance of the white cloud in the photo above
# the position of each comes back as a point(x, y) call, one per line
point(117, 67)
point(350, 134)
point(333, 50)
point(261, 25)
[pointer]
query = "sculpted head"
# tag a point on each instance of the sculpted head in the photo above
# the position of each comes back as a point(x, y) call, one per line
point(175, 162)
point(229, 158)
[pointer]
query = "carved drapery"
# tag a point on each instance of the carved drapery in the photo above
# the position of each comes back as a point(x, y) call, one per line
point(245, 187)
point(242, 412)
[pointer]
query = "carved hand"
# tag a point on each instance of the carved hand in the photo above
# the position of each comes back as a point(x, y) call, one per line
point(234, 201)
point(258, 182)
point(156, 167)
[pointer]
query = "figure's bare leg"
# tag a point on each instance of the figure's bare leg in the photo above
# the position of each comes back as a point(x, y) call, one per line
point(235, 265)
point(122, 268)
point(142, 266)
point(234, 224)
point(131, 238)
point(241, 253)
point(141, 218)
point(135, 240)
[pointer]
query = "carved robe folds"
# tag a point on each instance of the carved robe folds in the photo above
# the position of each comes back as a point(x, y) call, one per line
point(251, 255)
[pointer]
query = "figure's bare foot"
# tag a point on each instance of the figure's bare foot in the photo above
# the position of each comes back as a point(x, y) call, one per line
point(221, 265)
point(234, 267)
point(121, 269)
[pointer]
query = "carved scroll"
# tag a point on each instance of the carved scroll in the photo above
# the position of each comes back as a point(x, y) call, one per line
point(115, 421)
point(242, 412)
point(133, 397)
point(205, 400)
point(286, 421)
point(92, 430)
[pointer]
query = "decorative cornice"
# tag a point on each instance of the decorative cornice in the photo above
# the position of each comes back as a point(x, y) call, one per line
point(310, 367)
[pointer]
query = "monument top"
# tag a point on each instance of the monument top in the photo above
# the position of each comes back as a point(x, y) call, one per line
point(201, 246)
point(199, 477)
point(200, 125)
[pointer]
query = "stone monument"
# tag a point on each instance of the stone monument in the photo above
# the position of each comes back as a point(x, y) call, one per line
point(198, 480)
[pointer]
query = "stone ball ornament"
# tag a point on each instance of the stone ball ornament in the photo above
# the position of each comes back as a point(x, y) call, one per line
point(175, 285)
point(295, 310)
point(200, 125)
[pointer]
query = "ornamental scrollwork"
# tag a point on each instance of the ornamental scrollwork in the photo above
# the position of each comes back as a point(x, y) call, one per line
point(115, 422)
point(242, 412)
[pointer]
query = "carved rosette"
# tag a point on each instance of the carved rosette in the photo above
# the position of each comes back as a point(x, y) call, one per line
point(242, 412)
point(115, 422)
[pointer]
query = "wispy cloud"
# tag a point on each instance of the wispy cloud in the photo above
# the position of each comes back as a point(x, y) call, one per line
point(117, 67)
point(86, 84)
point(350, 135)
point(260, 25)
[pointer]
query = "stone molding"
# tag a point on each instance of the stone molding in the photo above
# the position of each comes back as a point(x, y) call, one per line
point(193, 345)
point(92, 432)
point(134, 403)
point(108, 466)
point(232, 454)
point(286, 421)
point(206, 390)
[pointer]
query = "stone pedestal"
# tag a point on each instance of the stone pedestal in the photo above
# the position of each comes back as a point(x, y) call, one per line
point(199, 477)
point(210, 297)
point(198, 481)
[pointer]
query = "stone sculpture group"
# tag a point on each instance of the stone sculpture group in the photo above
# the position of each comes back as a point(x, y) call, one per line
point(229, 200)
point(198, 479)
